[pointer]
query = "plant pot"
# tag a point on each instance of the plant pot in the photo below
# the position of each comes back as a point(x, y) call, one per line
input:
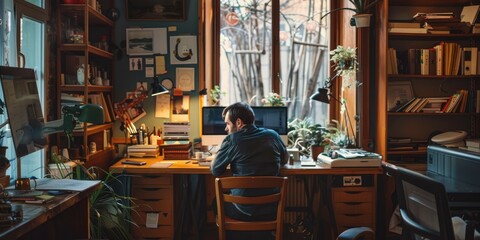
point(362, 20)
point(315, 151)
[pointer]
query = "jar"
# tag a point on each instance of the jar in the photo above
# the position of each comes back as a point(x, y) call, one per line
point(103, 43)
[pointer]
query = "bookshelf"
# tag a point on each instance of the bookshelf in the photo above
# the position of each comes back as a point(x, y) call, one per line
point(419, 126)
point(85, 75)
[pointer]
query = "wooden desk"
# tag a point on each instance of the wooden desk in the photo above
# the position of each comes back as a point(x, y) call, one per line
point(352, 206)
point(65, 217)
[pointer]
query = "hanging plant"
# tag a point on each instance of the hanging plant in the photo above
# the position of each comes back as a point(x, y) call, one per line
point(345, 64)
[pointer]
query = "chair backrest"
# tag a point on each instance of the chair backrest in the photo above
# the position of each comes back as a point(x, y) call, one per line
point(423, 204)
point(226, 183)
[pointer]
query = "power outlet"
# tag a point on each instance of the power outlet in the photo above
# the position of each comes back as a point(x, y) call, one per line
point(352, 180)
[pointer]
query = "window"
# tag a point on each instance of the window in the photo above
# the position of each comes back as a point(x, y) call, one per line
point(28, 22)
point(271, 46)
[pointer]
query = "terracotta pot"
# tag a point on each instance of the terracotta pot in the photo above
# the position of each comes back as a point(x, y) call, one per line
point(315, 151)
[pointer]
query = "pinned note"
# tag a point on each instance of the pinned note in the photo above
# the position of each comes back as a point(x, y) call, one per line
point(152, 220)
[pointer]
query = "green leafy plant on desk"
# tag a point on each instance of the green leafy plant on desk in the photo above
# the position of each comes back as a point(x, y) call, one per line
point(109, 211)
point(304, 135)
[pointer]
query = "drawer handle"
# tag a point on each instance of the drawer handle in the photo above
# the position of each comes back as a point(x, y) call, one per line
point(353, 214)
point(353, 203)
point(151, 189)
point(353, 192)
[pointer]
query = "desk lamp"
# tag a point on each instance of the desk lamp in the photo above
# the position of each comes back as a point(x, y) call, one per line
point(323, 95)
point(88, 113)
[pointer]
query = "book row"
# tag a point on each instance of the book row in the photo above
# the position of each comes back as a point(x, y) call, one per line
point(459, 102)
point(444, 59)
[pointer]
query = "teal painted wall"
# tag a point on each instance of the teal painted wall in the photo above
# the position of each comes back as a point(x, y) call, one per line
point(126, 80)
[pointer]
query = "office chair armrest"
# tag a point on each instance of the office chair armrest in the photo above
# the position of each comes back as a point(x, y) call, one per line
point(355, 233)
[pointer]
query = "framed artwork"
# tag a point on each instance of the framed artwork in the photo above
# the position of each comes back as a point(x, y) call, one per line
point(146, 41)
point(185, 79)
point(139, 41)
point(183, 49)
point(158, 10)
point(398, 93)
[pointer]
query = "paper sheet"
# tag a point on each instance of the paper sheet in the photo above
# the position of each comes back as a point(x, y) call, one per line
point(161, 164)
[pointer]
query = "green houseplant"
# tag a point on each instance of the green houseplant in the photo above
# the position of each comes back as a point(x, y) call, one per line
point(361, 8)
point(345, 64)
point(306, 136)
point(109, 211)
point(334, 137)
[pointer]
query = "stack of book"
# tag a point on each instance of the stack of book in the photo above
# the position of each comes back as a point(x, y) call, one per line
point(141, 150)
point(176, 131)
point(472, 145)
point(177, 151)
point(406, 144)
point(406, 27)
point(419, 104)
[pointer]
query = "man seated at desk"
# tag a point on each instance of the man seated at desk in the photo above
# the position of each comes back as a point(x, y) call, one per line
point(250, 151)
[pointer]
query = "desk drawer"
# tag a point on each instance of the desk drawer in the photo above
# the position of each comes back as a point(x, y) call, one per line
point(354, 220)
point(160, 232)
point(154, 205)
point(152, 180)
point(164, 217)
point(351, 196)
point(353, 208)
point(152, 193)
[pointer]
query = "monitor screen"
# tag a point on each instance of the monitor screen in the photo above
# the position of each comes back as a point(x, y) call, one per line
point(23, 109)
point(213, 125)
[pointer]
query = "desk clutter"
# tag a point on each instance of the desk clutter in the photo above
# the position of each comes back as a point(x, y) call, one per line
point(351, 158)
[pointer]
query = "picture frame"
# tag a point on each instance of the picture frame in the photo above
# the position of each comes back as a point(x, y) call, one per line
point(140, 41)
point(158, 10)
point(183, 50)
point(146, 41)
point(398, 93)
point(180, 108)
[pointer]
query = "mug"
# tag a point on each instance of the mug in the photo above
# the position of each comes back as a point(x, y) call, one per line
point(24, 184)
point(199, 155)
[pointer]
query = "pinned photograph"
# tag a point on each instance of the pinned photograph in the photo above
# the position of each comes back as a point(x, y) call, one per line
point(135, 64)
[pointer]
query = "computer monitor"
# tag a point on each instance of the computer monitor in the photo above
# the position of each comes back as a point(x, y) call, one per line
point(24, 109)
point(213, 125)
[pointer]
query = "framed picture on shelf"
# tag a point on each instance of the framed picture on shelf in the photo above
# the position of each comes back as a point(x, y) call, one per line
point(159, 10)
point(398, 93)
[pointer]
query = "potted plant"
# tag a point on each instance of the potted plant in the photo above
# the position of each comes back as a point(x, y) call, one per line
point(307, 137)
point(335, 138)
point(216, 95)
point(273, 100)
point(109, 211)
point(345, 64)
point(361, 8)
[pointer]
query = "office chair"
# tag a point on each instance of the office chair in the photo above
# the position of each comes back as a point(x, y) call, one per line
point(423, 206)
point(224, 223)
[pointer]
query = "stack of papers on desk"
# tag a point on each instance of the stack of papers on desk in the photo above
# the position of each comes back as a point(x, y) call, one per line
point(352, 158)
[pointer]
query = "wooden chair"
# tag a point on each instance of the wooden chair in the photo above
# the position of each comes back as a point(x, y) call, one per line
point(225, 223)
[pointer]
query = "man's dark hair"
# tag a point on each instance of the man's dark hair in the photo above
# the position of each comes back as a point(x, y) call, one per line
point(240, 110)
